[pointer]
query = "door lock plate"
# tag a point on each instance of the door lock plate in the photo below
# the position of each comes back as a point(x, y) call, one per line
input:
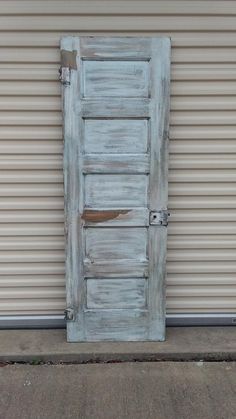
point(159, 218)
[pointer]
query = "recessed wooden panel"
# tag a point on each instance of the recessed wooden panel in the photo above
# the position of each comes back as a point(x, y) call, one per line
point(116, 293)
point(116, 325)
point(116, 190)
point(116, 78)
point(116, 136)
point(116, 243)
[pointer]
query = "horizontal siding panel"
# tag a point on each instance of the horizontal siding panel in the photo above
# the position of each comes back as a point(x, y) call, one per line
point(29, 268)
point(34, 306)
point(219, 242)
point(179, 55)
point(204, 279)
point(29, 71)
point(30, 103)
point(192, 267)
point(208, 255)
point(127, 23)
point(29, 88)
point(30, 146)
point(191, 88)
point(202, 189)
point(31, 216)
point(27, 162)
point(32, 293)
point(202, 102)
point(32, 281)
point(202, 291)
point(31, 229)
point(121, 7)
point(199, 145)
point(198, 71)
point(202, 215)
point(203, 303)
point(31, 133)
point(24, 190)
point(201, 161)
point(194, 175)
point(31, 243)
point(202, 227)
point(30, 118)
point(203, 133)
point(32, 203)
point(198, 118)
point(195, 202)
point(34, 176)
point(178, 39)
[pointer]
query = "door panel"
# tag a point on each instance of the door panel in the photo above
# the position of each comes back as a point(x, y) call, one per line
point(116, 109)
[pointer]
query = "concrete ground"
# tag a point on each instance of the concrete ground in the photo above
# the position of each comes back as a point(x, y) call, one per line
point(153, 390)
point(182, 344)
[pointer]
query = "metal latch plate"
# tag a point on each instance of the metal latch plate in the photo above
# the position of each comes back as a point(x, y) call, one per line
point(159, 218)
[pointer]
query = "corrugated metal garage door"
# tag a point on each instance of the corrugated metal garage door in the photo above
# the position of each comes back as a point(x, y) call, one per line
point(202, 231)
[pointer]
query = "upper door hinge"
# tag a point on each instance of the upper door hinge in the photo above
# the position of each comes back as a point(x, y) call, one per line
point(64, 75)
point(69, 314)
point(159, 218)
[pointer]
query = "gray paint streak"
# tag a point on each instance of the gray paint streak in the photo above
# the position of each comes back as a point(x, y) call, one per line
point(115, 166)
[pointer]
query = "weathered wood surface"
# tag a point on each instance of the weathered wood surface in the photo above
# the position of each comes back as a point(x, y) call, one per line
point(116, 243)
point(116, 293)
point(116, 163)
point(115, 166)
point(118, 190)
point(116, 136)
point(115, 79)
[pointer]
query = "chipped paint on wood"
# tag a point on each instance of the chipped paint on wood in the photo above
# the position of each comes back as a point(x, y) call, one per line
point(98, 216)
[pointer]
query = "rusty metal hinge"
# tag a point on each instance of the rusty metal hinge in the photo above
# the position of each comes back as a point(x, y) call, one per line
point(69, 314)
point(65, 75)
point(159, 218)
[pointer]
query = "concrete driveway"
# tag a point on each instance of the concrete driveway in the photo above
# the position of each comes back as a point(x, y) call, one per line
point(153, 390)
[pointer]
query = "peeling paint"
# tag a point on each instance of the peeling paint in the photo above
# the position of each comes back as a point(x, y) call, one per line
point(68, 59)
point(96, 216)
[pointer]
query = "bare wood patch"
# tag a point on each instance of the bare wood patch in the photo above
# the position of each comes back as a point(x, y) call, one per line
point(97, 216)
point(68, 59)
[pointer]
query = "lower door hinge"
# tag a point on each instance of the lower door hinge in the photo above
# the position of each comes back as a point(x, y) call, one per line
point(159, 218)
point(69, 314)
point(64, 75)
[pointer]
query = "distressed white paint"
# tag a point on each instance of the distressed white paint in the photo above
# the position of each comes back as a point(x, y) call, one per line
point(116, 293)
point(115, 78)
point(116, 136)
point(116, 243)
point(116, 190)
point(116, 114)
point(117, 163)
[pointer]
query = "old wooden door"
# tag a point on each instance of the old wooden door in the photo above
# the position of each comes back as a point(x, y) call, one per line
point(116, 109)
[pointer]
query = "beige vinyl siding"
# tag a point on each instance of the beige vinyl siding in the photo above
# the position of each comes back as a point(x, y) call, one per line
point(202, 231)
